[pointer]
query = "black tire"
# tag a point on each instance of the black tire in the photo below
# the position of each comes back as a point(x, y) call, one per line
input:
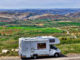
point(23, 58)
point(35, 56)
point(56, 55)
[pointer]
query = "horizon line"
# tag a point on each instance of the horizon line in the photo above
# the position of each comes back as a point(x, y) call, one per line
point(33, 8)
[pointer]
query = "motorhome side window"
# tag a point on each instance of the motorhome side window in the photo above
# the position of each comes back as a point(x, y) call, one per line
point(52, 40)
point(41, 45)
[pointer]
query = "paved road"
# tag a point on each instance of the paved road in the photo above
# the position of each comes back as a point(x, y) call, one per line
point(61, 58)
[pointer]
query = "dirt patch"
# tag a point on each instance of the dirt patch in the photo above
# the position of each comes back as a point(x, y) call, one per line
point(72, 55)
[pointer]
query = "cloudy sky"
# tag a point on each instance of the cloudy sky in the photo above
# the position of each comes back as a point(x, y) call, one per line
point(23, 4)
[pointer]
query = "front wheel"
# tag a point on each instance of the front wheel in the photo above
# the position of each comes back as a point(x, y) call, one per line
point(56, 55)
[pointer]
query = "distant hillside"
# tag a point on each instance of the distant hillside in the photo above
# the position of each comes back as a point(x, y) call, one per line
point(74, 15)
point(42, 11)
point(47, 16)
point(16, 15)
point(40, 17)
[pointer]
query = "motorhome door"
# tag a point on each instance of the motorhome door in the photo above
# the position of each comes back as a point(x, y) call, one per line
point(27, 48)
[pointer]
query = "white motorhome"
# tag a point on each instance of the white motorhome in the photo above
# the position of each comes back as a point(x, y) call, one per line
point(38, 46)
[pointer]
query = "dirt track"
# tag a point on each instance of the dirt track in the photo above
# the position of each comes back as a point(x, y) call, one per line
point(49, 58)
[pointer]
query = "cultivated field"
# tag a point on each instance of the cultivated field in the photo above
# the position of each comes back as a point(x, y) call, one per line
point(69, 37)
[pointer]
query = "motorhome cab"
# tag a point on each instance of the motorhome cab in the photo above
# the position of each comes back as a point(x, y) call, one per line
point(38, 46)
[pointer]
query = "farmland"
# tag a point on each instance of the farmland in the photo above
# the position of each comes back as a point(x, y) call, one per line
point(39, 23)
point(9, 37)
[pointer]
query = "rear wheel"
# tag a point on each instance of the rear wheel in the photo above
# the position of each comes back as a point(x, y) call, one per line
point(56, 55)
point(35, 56)
point(23, 57)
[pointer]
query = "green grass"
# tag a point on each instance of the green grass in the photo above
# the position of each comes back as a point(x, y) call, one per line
point(69, 23)
point(3, 23)
point(61, 24)
point(35, 29)
point(70, 41)
point(69, 48)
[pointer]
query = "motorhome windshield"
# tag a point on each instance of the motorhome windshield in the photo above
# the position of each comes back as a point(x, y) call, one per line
point(52, 47)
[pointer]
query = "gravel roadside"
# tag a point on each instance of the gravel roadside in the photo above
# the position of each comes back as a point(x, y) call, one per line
point(61, 58)
point(68, 57)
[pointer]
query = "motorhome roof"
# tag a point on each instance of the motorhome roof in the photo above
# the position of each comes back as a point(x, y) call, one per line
point(39, 38)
